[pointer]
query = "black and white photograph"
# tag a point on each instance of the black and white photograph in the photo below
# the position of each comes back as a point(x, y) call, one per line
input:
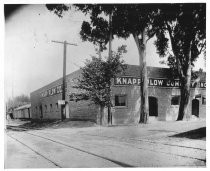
point(104, 85)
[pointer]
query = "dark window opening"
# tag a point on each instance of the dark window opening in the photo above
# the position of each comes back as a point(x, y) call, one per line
point(120, 100)
point(50, 107)
point(153, 106)
point(45, 108)
point(175, 100)
point(41, 114)
point(203, 101)
point(195, 107)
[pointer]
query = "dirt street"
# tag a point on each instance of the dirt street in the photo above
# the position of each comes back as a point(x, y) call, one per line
point(159, 144)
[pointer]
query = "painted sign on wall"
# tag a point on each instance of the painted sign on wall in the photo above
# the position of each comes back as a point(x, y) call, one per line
point(52, 91)
point(154, 82)
point(127, 81)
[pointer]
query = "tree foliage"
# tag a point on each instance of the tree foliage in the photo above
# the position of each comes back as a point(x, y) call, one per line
point(127, 20)
point(183, 26)
point(181, 29)
point(198, 74)
point(97, 75)
point(58, 9)
point(18, 101)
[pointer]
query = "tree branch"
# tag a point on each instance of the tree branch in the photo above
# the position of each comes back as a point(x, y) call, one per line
point(202, 48)
point(138, 46)
point(148, 39)
point(196, 80)
point(179, 66)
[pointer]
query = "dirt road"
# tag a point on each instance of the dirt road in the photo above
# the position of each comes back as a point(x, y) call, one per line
point(152, 145)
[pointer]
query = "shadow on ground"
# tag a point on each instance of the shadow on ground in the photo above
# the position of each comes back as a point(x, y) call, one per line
point(199, 133)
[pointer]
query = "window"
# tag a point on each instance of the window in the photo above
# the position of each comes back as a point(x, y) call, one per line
point(175, 100)
point(50, 107)
point(45, 108)
point(120, 100)
point(56, 106)
point(203, 100)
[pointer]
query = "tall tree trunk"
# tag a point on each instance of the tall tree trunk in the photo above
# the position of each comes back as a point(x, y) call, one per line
point(109, 106)
point(185, 94)
point(185, 89)
point(101, 114)
point(144, 107)
point(109, 115)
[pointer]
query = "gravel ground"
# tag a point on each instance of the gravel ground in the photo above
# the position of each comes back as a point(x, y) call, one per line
point(83, 144)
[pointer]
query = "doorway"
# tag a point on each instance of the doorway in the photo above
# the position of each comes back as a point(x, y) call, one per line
point(153, 106)
point(195, 107)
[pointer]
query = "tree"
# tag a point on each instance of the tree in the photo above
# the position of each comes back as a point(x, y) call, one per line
point(179, 26)
point(18, 101)
point(58, 9)
point(128, 19)
point(181, 29)
point(196, 76)
point(98, 37)
point(95, 83)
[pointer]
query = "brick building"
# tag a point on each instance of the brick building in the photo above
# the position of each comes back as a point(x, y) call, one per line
point(22, 112)
point(163, 92)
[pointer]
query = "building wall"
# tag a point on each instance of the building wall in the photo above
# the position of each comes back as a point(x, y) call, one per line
point(83, 110)
point(50, 109)
point(128, 114)
point(22, 113)
point(77, 110)
point(202, 107)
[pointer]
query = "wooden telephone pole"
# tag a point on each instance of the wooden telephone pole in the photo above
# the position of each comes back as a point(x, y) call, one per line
point(65, 43)
point(110, 55)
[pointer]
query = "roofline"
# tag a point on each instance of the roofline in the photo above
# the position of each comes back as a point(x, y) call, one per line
point(26, 106)
point(55, 81)
point(80, 70)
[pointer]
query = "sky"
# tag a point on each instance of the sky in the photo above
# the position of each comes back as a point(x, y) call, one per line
point(32, 60)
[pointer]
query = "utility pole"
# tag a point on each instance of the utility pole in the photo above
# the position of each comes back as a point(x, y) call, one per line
point(65, 43)
point(110, 54)
point(110, 34)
